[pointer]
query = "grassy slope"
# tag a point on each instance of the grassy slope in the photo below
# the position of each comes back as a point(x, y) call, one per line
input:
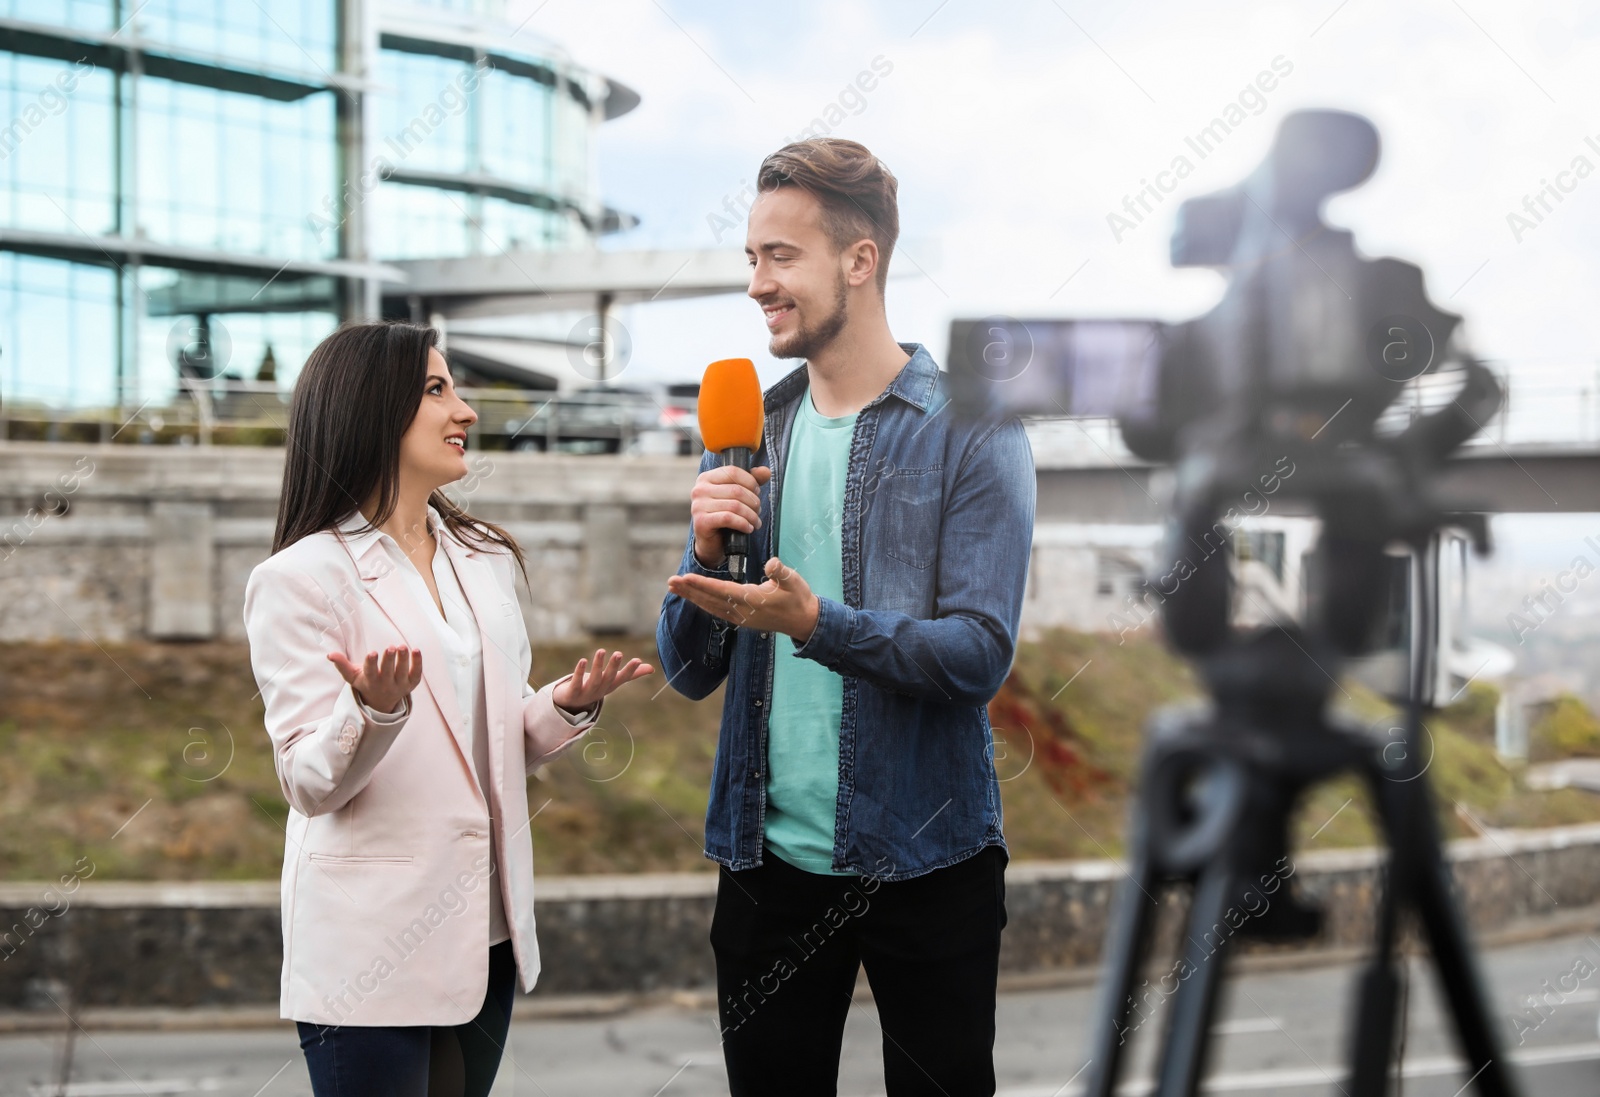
point(170, 737)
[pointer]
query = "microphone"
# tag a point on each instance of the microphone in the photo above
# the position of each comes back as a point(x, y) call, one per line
point(731, 418)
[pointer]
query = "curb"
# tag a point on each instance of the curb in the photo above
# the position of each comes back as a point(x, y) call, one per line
point(591, 1006)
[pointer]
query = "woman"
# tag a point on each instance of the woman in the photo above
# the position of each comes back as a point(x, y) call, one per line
point(408, 865)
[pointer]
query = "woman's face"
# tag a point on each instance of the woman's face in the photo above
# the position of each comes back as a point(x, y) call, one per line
point(433, 450)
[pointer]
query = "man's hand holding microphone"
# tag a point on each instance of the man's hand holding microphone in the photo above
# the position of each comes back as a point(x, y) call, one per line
point(725, 508)
point(724, 498)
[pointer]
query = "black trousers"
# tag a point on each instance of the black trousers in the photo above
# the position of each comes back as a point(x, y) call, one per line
point(421, 1060)
point(789, 943)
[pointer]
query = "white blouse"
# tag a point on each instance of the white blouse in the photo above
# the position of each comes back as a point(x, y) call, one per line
point(458, 634)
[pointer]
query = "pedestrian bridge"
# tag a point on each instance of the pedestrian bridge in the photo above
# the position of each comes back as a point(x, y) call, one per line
point(1097, 480)
point(1539, 455)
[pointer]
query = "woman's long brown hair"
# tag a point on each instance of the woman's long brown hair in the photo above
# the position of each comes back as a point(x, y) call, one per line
point(354, 399)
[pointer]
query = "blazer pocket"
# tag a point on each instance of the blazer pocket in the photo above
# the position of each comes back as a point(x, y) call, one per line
point(909, 524)
point(361, 859)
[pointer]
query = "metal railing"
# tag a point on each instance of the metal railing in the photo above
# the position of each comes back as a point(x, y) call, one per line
point(233, 412)
point(1547, 403)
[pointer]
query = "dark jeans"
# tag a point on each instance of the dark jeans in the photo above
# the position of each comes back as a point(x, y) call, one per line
point(420, 1060)
point(788, 945)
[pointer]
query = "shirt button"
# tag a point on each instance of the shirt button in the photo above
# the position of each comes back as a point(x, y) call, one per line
point(758, 702)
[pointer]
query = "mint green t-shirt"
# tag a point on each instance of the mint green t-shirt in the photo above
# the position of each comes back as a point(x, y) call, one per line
point(807, 697)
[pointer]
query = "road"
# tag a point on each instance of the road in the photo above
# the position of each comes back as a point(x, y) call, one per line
point(1280, 1033)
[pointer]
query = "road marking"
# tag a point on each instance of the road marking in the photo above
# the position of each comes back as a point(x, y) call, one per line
point(1257, 1080)
point(1247, 1025)
point(1590, 995)
point(119, 1089)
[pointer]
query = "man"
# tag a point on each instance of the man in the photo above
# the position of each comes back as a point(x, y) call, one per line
point(854, 805)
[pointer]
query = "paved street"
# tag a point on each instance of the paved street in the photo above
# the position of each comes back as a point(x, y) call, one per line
point(1282, 1033)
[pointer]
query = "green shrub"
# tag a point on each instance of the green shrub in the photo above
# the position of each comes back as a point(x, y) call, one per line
point(1566, 729)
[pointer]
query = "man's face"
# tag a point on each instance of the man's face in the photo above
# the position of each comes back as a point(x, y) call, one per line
point(796, 275)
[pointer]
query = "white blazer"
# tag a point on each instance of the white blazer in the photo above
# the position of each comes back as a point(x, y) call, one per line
point(386, 865)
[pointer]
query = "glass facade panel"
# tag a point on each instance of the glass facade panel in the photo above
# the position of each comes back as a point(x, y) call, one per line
point(572, 149)
point(87, 152)
point(428, 223)
point(239, 341)
point(291, 335)
point(297, 35)
point(516, 128)
point(491, 8)
point(235, 172)
point(56, 146)
point(96, 15)
point(58, 335)
point(58, 331)
point(423, 117)
point(507, 226)
point(439, 115)
point(420, 222)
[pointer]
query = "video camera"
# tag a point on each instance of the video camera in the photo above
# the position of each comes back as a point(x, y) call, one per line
point(1309, 345)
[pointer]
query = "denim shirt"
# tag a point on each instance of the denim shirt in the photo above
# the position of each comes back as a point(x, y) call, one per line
point(936, 533)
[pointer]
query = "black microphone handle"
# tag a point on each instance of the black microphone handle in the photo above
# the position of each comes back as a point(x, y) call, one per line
point(736, 542)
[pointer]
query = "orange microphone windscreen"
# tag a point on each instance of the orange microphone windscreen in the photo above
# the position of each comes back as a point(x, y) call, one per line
point(730, 405)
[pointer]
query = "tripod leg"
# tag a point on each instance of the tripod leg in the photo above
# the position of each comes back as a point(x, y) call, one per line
point(1418, 877)
point(1453, 956)
point(1184, 1055)
point(1132, 918)
point(1374, 1026)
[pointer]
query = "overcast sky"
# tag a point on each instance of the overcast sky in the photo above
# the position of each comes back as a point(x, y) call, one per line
point(1016, 127)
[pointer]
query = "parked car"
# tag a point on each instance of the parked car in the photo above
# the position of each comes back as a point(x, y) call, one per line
point(613, 419)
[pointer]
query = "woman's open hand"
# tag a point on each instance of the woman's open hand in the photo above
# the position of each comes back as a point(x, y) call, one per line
point(590, 682)
point(382, 682)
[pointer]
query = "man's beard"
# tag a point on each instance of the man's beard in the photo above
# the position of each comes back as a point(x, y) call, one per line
point(807, 341)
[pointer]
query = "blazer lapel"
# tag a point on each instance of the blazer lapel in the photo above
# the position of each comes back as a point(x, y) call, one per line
point(386, 584)
point(491, 604)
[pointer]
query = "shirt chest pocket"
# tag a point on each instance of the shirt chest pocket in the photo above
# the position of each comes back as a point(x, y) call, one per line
point(910, 502)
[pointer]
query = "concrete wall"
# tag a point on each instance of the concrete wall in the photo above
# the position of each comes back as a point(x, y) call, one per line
point(219, 944)
point(133, 542)
point(119, 543)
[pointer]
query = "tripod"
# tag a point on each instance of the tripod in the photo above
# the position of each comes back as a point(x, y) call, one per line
point(1218, 786)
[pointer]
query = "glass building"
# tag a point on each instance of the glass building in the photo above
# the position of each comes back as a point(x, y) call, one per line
point(205, 188)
